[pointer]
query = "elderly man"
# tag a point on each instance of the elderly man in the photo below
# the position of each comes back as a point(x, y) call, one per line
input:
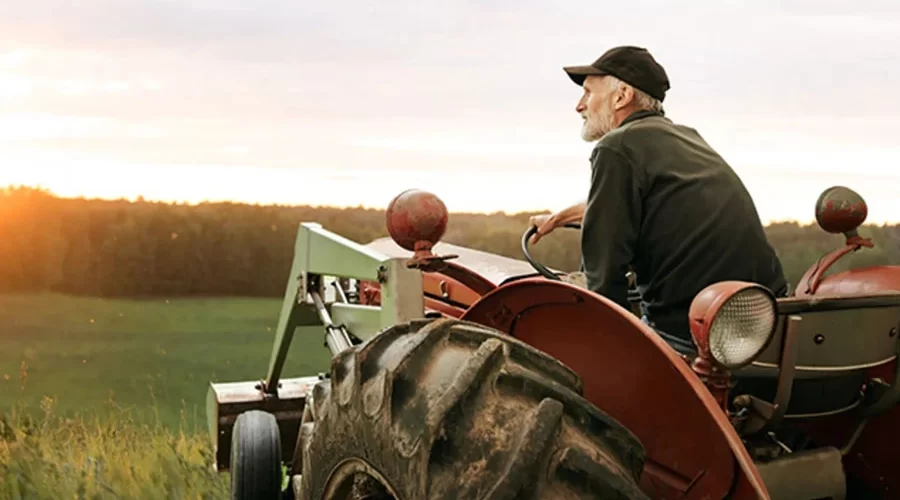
point(661, 201)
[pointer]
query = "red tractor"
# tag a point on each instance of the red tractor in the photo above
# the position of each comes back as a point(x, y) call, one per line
point(477, 376)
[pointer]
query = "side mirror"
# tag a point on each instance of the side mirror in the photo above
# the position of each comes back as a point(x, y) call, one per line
point(840, 210)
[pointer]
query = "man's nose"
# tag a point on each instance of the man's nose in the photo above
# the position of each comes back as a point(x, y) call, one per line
point(580, 107)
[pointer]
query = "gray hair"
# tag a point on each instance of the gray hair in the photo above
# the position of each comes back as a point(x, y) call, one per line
point(642, 100)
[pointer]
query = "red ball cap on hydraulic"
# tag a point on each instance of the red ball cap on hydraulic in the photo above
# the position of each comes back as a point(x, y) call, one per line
point(840, 210)
point(416, 219)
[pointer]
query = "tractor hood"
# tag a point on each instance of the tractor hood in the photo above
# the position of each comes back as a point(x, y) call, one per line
point(496, 268)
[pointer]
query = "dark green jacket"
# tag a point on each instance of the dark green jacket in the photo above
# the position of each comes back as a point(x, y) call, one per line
point(663, 203)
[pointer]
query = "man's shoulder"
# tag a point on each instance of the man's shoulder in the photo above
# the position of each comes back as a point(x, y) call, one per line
point(650, 131)
point(610, 148)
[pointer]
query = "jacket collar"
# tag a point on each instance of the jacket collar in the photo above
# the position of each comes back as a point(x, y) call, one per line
point(637, 115)
point(633, 117)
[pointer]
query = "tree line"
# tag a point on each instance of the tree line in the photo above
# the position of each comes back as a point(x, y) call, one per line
point(138, 249)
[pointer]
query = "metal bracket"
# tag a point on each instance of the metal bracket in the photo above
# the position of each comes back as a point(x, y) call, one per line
point(805, 475)
point(880, 397)
point(766, 415)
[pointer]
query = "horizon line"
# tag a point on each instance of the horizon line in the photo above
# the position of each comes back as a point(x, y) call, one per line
point(174, 202)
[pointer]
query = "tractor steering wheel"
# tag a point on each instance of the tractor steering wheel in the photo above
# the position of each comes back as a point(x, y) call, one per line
point(540, 268)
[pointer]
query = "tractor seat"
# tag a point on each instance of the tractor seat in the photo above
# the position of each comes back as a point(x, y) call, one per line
point(837, 340)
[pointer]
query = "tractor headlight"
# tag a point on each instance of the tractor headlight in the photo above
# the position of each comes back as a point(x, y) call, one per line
point(732, 322)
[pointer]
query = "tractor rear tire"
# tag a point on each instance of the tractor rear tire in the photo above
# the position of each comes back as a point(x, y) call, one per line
point(256, 457)
point(449, 409)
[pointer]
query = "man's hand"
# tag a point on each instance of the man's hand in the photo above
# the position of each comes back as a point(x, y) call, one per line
point(548, 222)
point(545, 225)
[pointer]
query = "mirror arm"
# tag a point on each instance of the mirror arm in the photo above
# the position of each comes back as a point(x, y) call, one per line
point(813, 276)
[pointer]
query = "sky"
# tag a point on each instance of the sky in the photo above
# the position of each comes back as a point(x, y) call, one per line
point(350, 102)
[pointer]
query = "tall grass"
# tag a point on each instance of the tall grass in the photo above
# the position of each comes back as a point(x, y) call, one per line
point(104, 398)
point(44, 454)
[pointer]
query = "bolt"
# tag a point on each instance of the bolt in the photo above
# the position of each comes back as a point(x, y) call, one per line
point(893, 332)
point(742, 401)
point(819, 339)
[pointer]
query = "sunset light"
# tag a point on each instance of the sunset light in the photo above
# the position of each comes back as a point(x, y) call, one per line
point(406, 249)
point(130, 119)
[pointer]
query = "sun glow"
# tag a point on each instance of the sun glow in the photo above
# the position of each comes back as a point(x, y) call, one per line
point(778, 196)
point(80, 123)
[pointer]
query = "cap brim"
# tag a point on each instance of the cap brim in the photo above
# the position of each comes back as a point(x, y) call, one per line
point(579, 73)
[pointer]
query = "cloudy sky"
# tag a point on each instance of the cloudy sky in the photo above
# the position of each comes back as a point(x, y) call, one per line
point(349, 102)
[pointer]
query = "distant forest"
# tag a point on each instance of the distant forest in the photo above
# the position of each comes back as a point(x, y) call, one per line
point(134, 249)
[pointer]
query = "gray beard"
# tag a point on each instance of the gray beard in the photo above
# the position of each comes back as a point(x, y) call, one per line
point(595, 131)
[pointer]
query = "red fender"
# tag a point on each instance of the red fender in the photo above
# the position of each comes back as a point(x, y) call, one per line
point(874, 279)
point(873, 458)
point(630, 373)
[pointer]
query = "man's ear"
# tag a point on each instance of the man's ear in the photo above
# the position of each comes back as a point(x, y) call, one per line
point(624, 96)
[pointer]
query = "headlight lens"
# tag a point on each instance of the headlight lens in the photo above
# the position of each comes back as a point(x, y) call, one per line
point(742, 327)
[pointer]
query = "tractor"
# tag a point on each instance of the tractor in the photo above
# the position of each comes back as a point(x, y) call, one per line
point(459, 374)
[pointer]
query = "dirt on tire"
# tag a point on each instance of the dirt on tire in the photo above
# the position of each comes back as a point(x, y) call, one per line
point(449, 409)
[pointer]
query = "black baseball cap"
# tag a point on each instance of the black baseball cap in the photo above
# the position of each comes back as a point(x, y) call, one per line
point(633, 65)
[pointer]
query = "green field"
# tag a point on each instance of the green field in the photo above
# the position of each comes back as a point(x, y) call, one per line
point(152, 357)
point(84, 367)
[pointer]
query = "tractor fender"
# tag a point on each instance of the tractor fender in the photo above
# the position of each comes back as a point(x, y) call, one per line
point(873, 279)
point(630, 373)
point(873, 458)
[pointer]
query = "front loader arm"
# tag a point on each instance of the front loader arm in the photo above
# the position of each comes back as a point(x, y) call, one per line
point(319, 253)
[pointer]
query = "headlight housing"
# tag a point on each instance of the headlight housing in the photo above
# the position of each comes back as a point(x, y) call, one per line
point(732, 322)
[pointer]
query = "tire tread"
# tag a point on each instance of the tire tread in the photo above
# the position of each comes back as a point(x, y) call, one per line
point(447, 409)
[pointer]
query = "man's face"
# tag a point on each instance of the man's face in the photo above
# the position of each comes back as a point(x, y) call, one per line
point(596, 108)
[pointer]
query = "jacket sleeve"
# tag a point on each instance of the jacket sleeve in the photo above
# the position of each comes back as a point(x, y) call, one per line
point(611, 223)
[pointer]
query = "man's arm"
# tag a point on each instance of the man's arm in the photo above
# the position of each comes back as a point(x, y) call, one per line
point(611, 224)
point(572, 213)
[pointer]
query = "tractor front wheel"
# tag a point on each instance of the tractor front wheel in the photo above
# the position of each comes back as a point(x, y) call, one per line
point(256, 457)
point(448, 409)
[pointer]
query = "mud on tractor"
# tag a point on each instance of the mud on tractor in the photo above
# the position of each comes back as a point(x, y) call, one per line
point(458, 374)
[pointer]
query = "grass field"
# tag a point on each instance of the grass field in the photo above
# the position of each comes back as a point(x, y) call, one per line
point(107, 396)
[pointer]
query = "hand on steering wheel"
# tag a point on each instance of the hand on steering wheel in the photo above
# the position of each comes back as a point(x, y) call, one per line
point(540, 268)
